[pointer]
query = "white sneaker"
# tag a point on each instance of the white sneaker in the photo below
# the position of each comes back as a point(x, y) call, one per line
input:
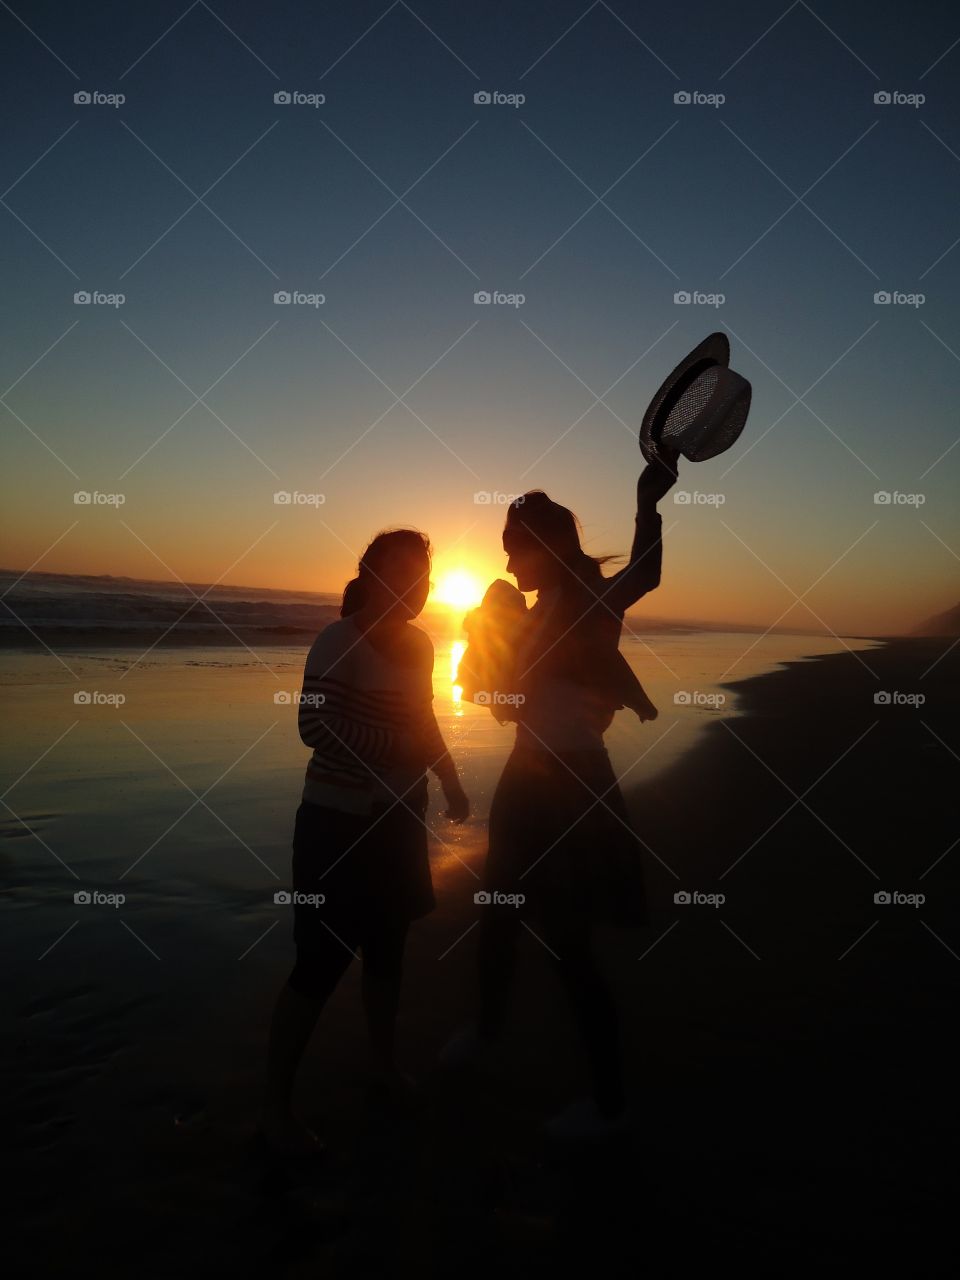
point(582, 1121)
point(465, 1048)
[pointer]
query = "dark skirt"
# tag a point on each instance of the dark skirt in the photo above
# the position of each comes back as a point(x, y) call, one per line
point(552, 841)
point(369, 868)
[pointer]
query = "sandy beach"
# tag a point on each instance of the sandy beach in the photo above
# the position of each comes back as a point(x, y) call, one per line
point(789, 1047)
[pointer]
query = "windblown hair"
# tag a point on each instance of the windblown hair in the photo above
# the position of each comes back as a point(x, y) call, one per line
point(539, 520)
point(373, 563)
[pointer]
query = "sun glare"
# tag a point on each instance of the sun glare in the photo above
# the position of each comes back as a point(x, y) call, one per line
point(456, 653)
point(458, 589)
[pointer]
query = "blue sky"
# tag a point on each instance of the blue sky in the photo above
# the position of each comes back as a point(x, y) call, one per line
point(797, 198)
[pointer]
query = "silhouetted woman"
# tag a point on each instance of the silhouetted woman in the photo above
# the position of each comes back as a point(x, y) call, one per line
point(360, 839)
point(559, 830)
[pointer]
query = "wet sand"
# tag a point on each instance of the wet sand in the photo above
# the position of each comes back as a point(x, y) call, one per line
point(790, 1050)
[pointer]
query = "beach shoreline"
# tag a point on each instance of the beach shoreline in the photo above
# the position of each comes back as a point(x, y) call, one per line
point(765, 1036)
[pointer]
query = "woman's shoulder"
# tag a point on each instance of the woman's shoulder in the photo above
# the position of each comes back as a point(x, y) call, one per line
point(417, 646)
point(333, 643)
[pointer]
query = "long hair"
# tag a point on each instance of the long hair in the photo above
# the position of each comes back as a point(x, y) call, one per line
point(373, 562)
point(536, 520)
point(542, 522)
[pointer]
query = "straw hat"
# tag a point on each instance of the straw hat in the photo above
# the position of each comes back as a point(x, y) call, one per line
point(701, 408)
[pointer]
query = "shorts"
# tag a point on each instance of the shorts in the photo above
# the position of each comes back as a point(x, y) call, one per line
point(370, 869)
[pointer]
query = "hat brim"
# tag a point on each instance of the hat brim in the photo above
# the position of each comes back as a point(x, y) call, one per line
point(713, 350)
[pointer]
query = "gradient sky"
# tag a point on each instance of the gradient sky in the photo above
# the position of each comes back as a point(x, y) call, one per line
point(798, 199)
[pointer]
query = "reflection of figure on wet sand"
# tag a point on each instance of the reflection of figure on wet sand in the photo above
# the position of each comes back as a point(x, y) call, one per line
point(560, 841)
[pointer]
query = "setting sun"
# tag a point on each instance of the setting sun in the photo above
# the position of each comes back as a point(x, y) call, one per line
point(459, 589)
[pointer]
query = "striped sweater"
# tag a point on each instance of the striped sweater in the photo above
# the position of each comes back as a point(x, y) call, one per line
point(369, 720)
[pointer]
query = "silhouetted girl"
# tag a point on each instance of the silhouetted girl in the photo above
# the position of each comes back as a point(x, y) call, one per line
point(559, 830)
point(360, 839)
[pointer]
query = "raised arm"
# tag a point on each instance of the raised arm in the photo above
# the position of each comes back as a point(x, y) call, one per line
point(642, 573)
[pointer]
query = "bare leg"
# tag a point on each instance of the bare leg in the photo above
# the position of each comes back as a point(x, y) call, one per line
point(594, 1009)
point(382, 973)
point(497, 962)
point(294, 1018)
point(381, 1000)
point(295, 1015)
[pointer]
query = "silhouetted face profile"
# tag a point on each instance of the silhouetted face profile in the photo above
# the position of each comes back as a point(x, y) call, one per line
point(540, 537)
point(532, 565)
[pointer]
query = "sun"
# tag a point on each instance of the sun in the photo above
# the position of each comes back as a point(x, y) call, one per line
point(458, 589)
